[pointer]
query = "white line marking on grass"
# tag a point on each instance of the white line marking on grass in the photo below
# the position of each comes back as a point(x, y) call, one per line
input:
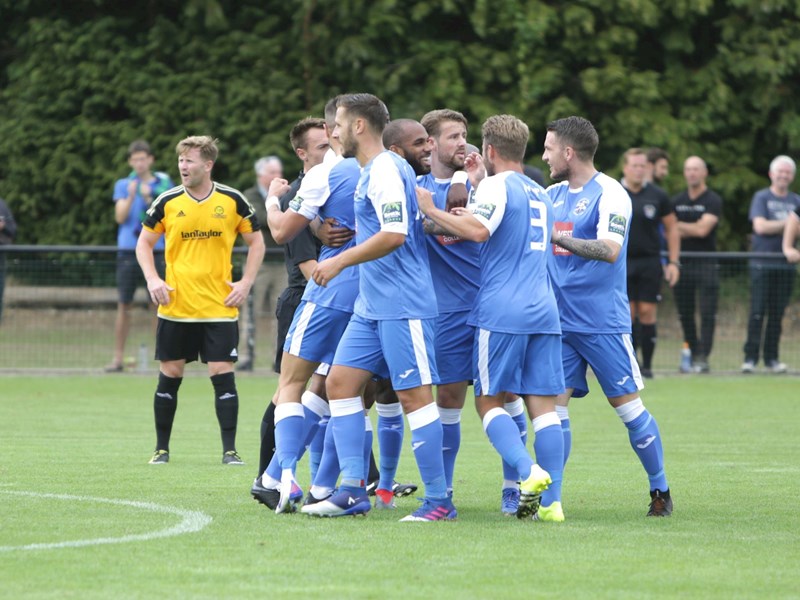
point(193, 521)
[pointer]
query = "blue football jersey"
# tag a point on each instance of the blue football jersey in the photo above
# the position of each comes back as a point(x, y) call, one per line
point(515, 295)
point(398, 285)
point(330, 193)
point(592, 294)
point(455, 262)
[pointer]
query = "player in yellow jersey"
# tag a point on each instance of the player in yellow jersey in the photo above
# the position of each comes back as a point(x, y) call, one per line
point(198, 302)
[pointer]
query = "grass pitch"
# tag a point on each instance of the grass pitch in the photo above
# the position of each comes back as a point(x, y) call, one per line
point(83, 516)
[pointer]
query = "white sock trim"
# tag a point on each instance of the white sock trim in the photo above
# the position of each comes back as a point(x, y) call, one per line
point(389, 410)
point(630, 410)
point(492, 415)
point(450, 416)
point(315, 404)
point(423, 416)
point(320, 491)
point(562, 412)
point(346, 406)
point(268, 482)
point(288, 409)
point(546, 420)
point(515, 408)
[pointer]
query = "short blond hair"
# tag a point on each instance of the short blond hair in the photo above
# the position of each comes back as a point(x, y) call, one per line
point(206, 144)
point(508, 135)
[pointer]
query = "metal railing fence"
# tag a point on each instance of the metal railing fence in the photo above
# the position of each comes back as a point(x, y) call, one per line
point(60, 303)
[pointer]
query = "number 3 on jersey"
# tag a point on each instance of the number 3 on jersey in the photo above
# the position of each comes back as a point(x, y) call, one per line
point(538, 212)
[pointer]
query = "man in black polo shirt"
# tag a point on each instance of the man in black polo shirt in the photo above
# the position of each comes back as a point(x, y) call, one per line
point(699, 210)
point(650, 208)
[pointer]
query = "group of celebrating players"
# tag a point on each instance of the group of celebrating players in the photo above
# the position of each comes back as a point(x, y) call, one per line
point(462, 270)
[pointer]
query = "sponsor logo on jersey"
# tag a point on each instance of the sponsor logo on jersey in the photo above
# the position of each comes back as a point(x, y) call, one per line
point(219, 212)
point(581, 206)
point(564, 228)
point(484, 210)
point(200, 235)
point(181, 214)
point(617, 223)
point(448, 240)
point(392, 212)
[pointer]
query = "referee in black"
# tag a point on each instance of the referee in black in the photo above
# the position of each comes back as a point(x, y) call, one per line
point(651, 209)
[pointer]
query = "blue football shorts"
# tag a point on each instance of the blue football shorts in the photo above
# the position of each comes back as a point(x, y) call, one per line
point(400, 349)
point(315, 332)
point(454, 340)
point(520, 363)
point(611, 357)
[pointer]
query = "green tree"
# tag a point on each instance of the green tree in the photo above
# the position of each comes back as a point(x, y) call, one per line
point(80, 80)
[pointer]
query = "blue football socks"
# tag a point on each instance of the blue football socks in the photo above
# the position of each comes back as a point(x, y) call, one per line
point(426, 442)
point(390, 442)
point(645, 441)
point(548, 445)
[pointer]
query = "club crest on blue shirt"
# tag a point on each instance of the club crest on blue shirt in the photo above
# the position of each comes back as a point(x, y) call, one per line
point(392, 212)
point(581, 206)
point(650, 211)
point(484, 210)
point(617, 223)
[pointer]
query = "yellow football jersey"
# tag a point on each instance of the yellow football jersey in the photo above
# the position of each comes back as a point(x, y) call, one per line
point(200, 235)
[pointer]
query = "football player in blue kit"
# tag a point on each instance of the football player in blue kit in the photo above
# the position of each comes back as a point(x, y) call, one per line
point(517, 340)
point(326, 193)
point(391, 332)
point(588, 267)
point(456, 275)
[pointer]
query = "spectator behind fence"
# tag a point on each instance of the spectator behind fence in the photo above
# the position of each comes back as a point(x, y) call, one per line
point(132, 197)
point(8, 231)
point(699, 210)
point(271, 278)
point(198, 302)
point(657, 165)
point(651, 209)
point(771, 279)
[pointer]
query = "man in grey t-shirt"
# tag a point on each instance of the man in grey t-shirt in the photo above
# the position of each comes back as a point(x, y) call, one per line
point(771, 279)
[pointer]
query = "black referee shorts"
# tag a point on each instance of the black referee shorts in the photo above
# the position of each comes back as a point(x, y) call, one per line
point(287, 304)
point(644, 279)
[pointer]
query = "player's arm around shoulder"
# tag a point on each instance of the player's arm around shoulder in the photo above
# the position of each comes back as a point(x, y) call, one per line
point(458, 221)
point(377, 246)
